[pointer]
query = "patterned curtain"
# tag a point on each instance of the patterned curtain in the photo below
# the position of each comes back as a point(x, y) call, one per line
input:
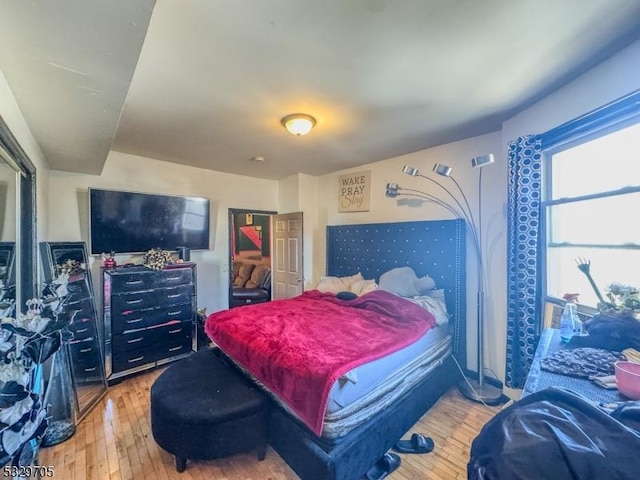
point(523, 281)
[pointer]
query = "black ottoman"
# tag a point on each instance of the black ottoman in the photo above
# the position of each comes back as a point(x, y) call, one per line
point(202, 408)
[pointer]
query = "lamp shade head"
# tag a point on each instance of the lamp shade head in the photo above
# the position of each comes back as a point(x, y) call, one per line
point(482, 160)
point(392, 190)
point(443, 170)
point(414, 172)
point(298, 123)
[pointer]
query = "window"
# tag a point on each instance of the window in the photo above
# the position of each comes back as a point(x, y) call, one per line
point(592, 212)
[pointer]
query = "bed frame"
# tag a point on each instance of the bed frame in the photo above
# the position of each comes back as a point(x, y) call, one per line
point(436, 248)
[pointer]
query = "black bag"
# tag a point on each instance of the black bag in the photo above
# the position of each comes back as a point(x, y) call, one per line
point(556, 434)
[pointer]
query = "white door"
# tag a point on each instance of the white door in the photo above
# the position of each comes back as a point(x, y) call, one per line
point(288, 280)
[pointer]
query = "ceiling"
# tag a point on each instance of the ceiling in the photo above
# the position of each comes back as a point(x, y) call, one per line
point(206, 82)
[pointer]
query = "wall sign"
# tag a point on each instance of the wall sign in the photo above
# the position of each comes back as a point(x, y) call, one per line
point(354, 190)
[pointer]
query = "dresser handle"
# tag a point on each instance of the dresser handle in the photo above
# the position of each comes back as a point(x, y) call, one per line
point(175, 331)
point(135, 340)
point(173, 278)
point(90, 369)
point(177, 312)
point(133, 282)
point(85, 350)
point(175, 295)
point(82, 330)
point(131, 302)
point(135, 321)
point(137, 359)
point(175, 348)
point(74, 302)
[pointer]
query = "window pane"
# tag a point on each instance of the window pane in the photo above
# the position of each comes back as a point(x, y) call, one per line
point(607, 266)
point(604, 221)
point(604, 164)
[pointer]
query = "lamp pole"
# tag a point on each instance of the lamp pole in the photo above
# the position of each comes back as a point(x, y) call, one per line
point(476, 390)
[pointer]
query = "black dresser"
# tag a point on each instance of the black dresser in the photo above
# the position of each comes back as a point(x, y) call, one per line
point(149, 317)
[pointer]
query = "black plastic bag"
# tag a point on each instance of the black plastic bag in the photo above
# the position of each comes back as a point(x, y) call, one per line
point(556, 434)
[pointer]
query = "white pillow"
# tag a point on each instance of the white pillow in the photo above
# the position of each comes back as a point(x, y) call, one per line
point(338, 284)
point(435, 305)
point(360, 287)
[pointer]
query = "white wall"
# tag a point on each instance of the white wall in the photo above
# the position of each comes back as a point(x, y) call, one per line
point(68, 209)
point(12, 116)
point(612, 79)
point(299, 193)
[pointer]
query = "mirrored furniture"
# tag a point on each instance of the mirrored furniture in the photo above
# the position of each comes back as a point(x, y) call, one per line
point(85, 347)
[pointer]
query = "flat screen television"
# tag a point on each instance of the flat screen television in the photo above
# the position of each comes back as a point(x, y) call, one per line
point(128, 222)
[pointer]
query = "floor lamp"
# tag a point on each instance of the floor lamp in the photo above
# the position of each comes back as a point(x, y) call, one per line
point(458, 205)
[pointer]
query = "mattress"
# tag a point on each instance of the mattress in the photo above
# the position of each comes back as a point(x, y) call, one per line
point(405, 368)
point(363, 379)
point(340, 422)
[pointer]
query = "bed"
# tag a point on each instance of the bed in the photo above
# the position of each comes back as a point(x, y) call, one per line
point(356, 426)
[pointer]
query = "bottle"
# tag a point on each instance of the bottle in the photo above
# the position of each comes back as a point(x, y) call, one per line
point(578, 327)
point(566, 322)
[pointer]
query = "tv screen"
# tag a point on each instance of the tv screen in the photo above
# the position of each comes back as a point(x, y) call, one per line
point(127, 222)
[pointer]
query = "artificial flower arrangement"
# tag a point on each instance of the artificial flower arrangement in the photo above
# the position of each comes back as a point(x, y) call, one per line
point(27, 340)
point(157, 259)
point(621, 299)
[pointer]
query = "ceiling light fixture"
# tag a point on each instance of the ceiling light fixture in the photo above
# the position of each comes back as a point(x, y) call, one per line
point(298, 123)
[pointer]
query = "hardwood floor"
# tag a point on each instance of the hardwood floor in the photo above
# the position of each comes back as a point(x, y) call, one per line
point(114, 442)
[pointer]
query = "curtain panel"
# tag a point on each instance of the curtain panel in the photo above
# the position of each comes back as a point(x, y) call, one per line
point(523, 240)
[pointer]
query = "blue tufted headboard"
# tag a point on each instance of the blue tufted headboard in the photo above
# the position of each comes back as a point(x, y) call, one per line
point(436, 248)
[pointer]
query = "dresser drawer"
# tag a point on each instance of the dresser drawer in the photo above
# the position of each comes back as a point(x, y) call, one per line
point(82, 327)
point(82, 307)
point(132, 280)
point(86, 358)
point(139, 338)
point(139, 319)
point(128, 302)
point(139, 278)
point(82, 349)
point(175, 276)
point(135, 358)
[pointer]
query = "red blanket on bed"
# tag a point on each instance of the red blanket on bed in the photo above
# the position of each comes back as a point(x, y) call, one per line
point(300, 346)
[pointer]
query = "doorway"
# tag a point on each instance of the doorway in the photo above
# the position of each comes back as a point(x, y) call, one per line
point(249, 239)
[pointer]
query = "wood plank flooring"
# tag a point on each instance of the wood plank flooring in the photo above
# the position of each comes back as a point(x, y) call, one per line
point(114, 442)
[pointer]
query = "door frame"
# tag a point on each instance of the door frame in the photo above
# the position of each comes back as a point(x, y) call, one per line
point(231, 213)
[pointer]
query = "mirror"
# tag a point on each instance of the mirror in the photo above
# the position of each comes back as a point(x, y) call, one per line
point(85, 346)
point(8, 182)
point(249, 240)
point(17, 220)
